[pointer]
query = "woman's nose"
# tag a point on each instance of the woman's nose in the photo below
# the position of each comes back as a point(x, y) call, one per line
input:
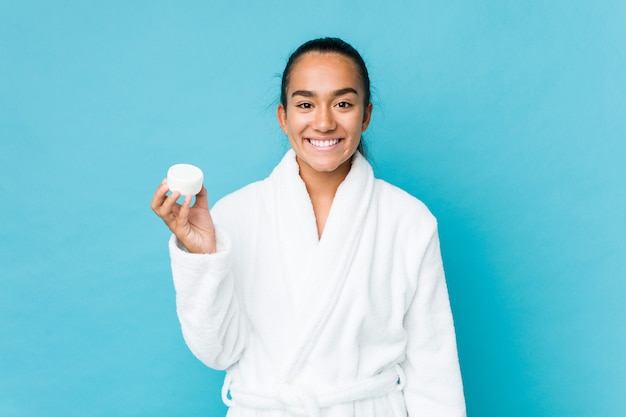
point(324, 120)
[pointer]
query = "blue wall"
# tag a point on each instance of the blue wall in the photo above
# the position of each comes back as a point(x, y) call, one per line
point(507, 118)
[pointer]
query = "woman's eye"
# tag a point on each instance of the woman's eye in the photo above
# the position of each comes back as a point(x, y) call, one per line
point(344, 104)
point(304, 105)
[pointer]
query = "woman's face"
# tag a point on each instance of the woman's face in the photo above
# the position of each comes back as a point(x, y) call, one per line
point(325, 112)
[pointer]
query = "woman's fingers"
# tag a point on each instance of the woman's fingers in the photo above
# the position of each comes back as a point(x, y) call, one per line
point(165, 206)
point(182, 217)
point(201, 199)
point(192, 226)
point(159, 196)
point(169, 209)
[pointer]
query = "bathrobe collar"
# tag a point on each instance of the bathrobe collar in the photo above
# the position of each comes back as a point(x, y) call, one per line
point(314, 271)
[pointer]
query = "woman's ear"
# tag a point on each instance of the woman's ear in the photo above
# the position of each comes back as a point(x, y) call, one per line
point(281, 114)
point(367, 116)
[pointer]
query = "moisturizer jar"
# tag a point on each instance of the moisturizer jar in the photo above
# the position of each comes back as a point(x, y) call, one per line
point(184, 178)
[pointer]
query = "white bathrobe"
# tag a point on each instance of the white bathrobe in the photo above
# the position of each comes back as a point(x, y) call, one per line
point(357, 323)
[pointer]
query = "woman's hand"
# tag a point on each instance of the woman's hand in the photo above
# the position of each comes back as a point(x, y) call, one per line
point(193, 226)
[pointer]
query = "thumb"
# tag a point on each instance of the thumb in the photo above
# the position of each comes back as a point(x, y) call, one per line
point(202, 200)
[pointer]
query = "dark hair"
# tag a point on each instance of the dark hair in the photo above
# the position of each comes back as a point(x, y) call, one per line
point(327, 45)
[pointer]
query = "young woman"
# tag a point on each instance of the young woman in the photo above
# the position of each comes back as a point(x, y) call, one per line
point(320, 289)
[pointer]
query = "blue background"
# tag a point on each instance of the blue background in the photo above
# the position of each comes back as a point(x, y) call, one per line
point(507, 118)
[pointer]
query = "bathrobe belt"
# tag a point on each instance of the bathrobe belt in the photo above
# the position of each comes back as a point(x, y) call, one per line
point(297, 400)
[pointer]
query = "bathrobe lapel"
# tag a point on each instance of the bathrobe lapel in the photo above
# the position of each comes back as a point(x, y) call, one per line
point(314, 271)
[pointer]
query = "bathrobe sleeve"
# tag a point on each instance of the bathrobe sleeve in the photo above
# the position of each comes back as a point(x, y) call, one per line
point(433, 378)
point(213, 324)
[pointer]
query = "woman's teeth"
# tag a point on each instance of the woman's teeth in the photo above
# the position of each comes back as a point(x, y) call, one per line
point(323, 143)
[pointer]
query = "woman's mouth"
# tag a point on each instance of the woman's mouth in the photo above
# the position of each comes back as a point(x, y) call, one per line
point(327, 143)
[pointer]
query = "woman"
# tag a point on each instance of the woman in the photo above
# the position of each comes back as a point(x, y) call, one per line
point(319, 289)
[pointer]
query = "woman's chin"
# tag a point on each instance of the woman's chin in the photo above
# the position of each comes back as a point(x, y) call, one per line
point(326, 165)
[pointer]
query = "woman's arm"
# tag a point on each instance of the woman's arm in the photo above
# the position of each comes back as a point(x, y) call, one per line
point(433, 378)
point(212, 321)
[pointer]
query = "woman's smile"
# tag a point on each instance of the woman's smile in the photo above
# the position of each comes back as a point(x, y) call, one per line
point(323, 144)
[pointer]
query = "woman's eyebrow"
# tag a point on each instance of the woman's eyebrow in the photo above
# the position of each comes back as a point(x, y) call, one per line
point(336, 93)
point(303, 93)
point(346, 90)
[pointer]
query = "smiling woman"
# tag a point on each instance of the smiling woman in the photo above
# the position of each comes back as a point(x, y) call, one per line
point(325, 113)
point(324, 117)
point(321, 288)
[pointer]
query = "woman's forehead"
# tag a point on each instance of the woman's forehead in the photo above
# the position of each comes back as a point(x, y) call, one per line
point(318, 69)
